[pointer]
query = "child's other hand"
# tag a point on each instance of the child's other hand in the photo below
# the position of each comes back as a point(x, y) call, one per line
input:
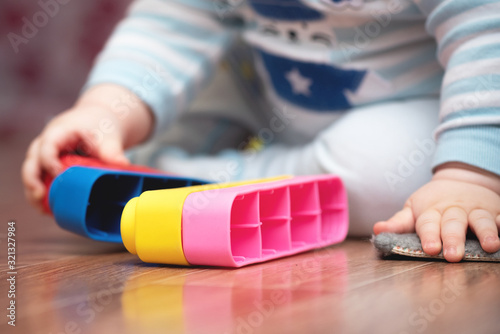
point(90, 127)
point(458, 196)
point(73, 130)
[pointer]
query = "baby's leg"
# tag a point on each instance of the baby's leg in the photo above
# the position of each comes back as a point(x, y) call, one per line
point(382, 152)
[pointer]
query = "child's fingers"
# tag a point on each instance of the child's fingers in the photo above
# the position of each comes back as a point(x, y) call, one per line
point(51, 146)
point(453, 230)
point(31, 175)
point(111, 151)
point(483, 225)
point(429, 230)
point(402, 222)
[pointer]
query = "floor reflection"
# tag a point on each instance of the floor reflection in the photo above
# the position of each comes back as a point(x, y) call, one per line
point(229, 300)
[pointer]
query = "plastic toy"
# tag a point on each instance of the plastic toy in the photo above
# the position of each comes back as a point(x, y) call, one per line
point(71, 160)
point(236, 224)
point(88, 197)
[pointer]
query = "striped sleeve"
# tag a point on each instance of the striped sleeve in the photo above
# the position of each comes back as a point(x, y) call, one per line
point(468, 37)
point(164, 52)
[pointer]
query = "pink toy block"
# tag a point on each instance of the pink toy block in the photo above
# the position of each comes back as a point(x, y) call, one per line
point(237, 226)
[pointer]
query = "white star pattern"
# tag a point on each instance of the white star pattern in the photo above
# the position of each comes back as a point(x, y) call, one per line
point(299, 83)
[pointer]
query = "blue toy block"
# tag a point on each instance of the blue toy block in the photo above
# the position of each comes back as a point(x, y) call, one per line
point(89, 201)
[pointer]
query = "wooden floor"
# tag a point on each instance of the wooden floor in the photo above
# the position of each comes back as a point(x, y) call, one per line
point(67, 284)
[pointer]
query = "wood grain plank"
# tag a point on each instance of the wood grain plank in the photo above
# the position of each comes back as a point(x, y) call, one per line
point(68, 284)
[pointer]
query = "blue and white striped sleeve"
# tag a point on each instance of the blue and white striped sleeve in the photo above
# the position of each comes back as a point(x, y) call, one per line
point(468, 37)
point(164, 51)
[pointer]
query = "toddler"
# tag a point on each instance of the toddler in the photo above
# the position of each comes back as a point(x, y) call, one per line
point(228, 90)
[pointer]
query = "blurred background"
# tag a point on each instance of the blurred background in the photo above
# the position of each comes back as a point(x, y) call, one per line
point(46, 51)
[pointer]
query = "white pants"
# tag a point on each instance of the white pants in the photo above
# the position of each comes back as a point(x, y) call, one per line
point(382, 152)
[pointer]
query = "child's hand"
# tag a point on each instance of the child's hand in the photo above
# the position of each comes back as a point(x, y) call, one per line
point(458, 196)
point(70, 131)
point(91, 127)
